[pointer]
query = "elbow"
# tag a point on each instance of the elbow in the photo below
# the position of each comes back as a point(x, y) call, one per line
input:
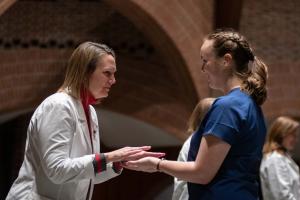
point(55, 176)
point(204, 178)
point(204, 173)
point(56, 180)
point(56, 173)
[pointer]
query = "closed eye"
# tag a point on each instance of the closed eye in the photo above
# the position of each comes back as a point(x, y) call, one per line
point(107, 73)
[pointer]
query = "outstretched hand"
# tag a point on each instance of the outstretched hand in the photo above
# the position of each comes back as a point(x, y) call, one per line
point(147, 164)
point(131, 153)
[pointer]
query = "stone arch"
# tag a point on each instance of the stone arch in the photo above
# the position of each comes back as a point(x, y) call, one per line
point(176, 38)
point(177, 30)
point(5, 4)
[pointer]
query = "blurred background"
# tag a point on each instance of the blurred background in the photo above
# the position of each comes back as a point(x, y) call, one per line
point(159, 80)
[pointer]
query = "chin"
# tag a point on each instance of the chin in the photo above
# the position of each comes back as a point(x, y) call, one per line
point(101, 96)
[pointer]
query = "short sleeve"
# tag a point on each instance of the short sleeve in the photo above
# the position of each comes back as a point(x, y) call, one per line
point(223, 121)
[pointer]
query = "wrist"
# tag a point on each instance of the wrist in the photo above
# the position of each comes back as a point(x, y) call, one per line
point(158, 165)
point(99, 163)
point(108, 157)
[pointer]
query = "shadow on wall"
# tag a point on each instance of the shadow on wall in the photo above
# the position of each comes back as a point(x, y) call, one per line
point(12, 146)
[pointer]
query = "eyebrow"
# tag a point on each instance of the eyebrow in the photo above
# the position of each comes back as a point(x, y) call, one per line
point(110, 68)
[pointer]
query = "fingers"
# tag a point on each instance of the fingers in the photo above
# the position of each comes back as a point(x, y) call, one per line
point(147, 164)
point(127, 152)
point(145, 148)
point(154, 154)
point(143, 154)
point(130, 153)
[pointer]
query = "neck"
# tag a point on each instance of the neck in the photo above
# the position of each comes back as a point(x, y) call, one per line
point(87, 98)
point(232, 83)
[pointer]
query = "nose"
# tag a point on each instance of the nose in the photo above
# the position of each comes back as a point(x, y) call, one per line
point(112, 80)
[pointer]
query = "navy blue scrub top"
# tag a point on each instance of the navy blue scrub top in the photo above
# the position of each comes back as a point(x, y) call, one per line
point(239, 121)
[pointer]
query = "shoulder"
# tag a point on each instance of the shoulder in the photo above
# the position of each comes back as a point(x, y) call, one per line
point(236, 102)
point(59, 100)
point(276, 164)
point(234, 98)
point(273, 157)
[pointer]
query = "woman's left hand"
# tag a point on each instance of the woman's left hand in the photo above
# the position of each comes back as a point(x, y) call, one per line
point(147, 164)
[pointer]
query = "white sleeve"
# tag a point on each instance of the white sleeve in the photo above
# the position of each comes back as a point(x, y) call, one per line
point(109, 172)
point(279, 179)
point(183, 154)
point(180, 186)
point(105, 175)
point(53, 136)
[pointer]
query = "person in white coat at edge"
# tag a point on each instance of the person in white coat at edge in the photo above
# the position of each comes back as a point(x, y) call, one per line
point(62, 156)
point(279, 174)
point(180, 191)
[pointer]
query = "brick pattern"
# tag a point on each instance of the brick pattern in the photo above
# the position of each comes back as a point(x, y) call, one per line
point(176, 30)
point(72, 22)
point(273, 30)
point(28, 76)
point(154, 58)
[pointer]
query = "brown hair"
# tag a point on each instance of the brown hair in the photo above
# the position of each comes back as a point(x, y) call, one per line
point(280, 128)
point(81, 65)
point(249, 68)
point(198, 114)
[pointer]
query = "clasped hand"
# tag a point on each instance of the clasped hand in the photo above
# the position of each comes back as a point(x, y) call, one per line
point(132, 154)
point(146, 164)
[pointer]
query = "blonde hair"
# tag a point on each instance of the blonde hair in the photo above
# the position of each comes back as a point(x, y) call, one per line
point(198, 114)
point(81, 65)
point(280, 128)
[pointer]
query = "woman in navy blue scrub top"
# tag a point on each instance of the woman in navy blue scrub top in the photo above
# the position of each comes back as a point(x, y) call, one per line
point(226, 151)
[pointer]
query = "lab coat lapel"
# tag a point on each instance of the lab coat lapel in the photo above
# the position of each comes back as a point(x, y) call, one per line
point(84, 125)
point(95, 129)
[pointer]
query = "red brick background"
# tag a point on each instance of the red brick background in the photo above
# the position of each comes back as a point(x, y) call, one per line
point(157, 44)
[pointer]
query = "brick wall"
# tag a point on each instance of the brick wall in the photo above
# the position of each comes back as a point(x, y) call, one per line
point(273, 28)
point(37, 37)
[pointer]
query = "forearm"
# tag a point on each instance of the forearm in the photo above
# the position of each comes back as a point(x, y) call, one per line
point(187, 171)
point(61, 171)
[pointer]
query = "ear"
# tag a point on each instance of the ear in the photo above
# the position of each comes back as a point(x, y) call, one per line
point(227, 59)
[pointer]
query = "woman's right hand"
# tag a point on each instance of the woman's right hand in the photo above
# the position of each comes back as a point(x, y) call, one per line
point(131, 153)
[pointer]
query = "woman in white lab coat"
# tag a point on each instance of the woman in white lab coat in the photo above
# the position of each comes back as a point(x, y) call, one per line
point(62, 156)
point(279, 174)
point(180, 191)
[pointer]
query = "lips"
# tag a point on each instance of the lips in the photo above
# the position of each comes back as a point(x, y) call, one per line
point(107, 89)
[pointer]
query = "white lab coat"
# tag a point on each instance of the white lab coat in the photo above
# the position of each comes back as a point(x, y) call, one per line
point(180, 191)
point(280, 178)
point(58, 155)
